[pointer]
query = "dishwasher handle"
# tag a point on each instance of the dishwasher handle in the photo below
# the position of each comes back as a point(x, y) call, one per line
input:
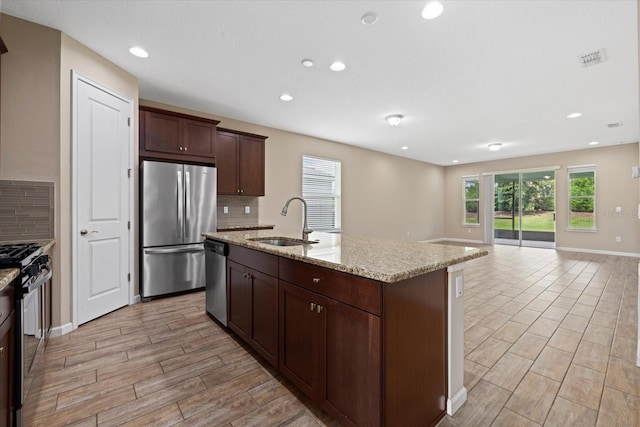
point(219, 248)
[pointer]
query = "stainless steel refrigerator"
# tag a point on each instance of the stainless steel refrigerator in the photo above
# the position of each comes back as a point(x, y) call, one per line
point(178, 205)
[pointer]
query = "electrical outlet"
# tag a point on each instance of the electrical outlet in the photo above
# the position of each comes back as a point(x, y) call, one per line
point(618, 239)
point(247, 209)
point(618, 209)
point(225, 209)
point(459, 287)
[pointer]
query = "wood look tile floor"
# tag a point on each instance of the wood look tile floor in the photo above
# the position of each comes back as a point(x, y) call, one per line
point(550, 340)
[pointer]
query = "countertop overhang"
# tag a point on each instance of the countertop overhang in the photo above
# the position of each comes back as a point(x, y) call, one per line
point(384, 260)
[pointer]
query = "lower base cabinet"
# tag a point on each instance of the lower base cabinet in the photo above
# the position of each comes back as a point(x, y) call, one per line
point(331, 351)
point(6, 371)
point(369, 353)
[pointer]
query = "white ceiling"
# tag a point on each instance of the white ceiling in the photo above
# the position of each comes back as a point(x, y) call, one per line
point(483, 72)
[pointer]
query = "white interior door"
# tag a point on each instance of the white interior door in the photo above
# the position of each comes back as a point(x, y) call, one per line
point(102, 145)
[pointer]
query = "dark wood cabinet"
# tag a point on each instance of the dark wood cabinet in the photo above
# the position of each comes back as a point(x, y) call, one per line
point(240, 163)
point(173, 136)
point(329, 349)
point(252, 297)
point(369, 353)
point(7, 340)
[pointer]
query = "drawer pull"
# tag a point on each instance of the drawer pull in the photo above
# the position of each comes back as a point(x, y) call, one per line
point(319, 309)
point(316, 280)
point(1, 352)
point(313, 306)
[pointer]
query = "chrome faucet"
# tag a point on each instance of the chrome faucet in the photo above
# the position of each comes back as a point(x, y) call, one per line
point(305, 229)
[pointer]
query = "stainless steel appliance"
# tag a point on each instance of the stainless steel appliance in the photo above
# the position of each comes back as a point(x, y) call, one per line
point(32, 314)
point(178, 205)
point(216, 274)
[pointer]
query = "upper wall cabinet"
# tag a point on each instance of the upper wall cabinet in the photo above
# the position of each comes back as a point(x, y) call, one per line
point(240, 163)
point(174, 136)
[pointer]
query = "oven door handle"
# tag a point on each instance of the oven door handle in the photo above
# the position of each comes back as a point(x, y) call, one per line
point(43, 277)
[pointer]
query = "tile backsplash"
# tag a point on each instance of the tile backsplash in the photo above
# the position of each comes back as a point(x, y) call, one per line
point(236, 206)
point(26, 210)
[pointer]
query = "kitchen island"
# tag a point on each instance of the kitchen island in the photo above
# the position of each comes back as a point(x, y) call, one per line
point(371, 329)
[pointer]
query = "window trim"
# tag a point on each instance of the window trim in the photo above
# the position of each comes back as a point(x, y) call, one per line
point(337, 195)
point(466, 178)
point(578, 169)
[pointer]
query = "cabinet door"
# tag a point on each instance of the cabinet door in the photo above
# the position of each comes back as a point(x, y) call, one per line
point(239, 297)
point(227, 163)
point(162, 133)
point(198, 138)
point(251, 168)
point(264, 319)
point(301, 336)
point(6, 371)
point(352, 377)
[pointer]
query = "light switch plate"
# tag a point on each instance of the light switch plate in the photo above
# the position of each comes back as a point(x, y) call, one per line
point(225, 209)
point(247, 209)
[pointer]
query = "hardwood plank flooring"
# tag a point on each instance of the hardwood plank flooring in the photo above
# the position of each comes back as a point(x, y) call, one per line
point(540, 325)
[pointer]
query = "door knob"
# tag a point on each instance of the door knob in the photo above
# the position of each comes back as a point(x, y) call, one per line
point(83, 232)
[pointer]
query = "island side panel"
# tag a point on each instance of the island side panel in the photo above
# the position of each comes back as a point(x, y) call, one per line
point(415, 350)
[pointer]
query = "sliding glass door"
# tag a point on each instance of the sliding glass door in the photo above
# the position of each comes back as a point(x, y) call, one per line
point(524, 209)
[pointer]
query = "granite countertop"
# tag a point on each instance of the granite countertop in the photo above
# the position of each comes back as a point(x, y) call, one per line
point(378, 259)
point(8, 274)
point(222, 228)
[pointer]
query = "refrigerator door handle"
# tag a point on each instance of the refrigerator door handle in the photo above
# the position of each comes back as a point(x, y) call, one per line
point(187, 216)
point(180, 204)
point(184, 250)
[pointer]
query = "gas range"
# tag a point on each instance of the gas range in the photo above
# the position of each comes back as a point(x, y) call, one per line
point(34, 267)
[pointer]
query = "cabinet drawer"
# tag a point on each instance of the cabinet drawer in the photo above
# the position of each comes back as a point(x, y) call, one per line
point(260, 261)
point(359, 292)
point(6, 301)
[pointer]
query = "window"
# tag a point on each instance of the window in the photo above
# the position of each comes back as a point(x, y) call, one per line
point(321, 190)
point(582, 197)
point(471, 202)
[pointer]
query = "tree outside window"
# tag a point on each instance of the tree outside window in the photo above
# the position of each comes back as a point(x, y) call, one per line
point(471, 192)
point(582, 198)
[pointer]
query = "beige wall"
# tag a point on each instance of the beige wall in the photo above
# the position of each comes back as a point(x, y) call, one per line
point(36, 124)
point(382, 195)
point(614, 187)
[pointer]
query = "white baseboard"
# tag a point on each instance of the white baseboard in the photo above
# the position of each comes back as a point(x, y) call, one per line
point(136, 299)
point(599, 252)
point(444, 239)
point(455, 402)
point(58, 331)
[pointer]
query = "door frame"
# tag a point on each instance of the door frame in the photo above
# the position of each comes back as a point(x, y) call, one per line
point(488, 205)
point(76, 77)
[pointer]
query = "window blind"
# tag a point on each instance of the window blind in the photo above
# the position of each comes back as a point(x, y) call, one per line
point(321, 190)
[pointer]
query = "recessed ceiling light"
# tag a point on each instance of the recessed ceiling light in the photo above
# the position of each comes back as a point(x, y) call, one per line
point(404, 147)
point(455, 161)
point(369, 18)
point(337, 66)
point(432, 10)
point(394, 119)
point(139, 52)
point(286, 97)
point(307, 63)
point(594, 143)
point(574, 115)
point(495, 147)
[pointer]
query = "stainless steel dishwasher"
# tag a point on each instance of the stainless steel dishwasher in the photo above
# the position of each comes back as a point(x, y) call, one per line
point(215, 256)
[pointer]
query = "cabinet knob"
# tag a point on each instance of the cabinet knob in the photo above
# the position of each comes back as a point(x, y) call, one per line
point(316, 280)
point(313, 306)
point(1, 352)
point(185, 148)
point(242, 191)
point(180, 148)
point(319, 309)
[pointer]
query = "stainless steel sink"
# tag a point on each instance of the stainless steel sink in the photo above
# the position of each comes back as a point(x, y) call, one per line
point(282, 241)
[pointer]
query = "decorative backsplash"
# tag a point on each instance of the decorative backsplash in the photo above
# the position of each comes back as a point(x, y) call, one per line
point(26, 210)
point(236, 206)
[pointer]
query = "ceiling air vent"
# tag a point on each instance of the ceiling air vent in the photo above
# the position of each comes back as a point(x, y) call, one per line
point(592, 58)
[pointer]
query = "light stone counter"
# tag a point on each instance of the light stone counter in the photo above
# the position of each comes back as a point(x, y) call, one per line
point(388, 261)
point(7, 275)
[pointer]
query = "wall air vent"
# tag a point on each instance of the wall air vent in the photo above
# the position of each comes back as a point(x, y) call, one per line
point(614, 125)
point(592, 58)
